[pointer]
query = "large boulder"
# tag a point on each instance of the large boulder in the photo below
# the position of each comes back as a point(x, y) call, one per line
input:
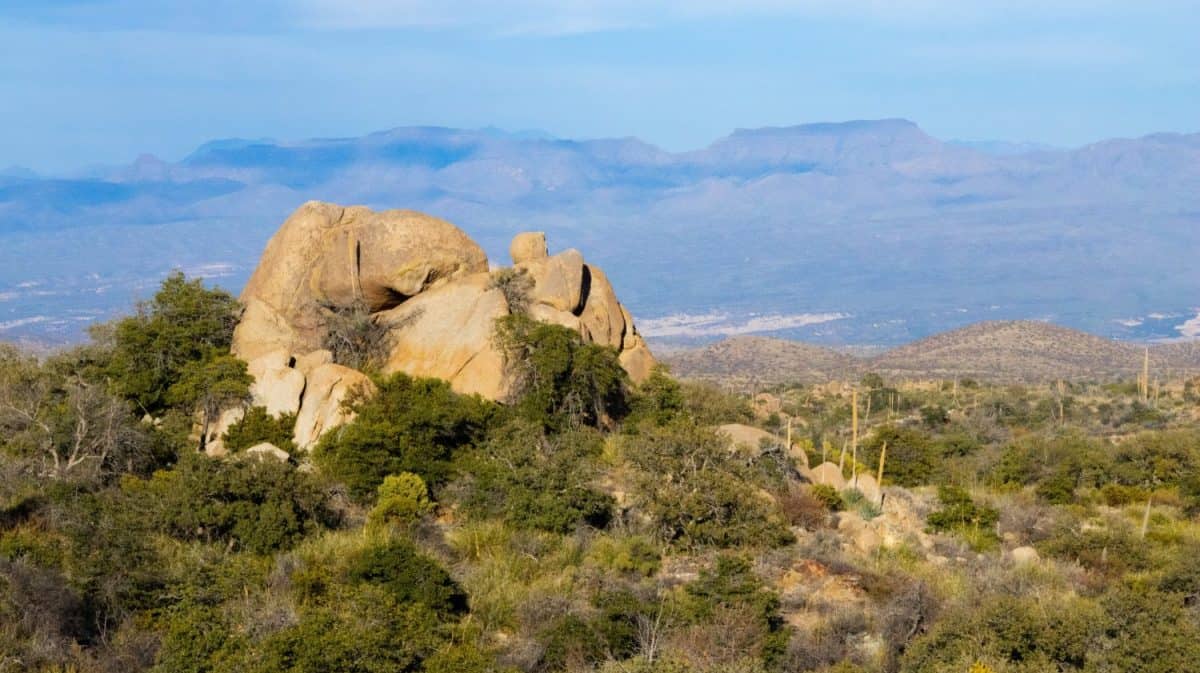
point(328, 256)
point(429, 288)
point(323, 408)
point(447, 333)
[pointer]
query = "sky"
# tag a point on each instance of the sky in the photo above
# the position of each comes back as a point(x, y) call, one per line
point(86, 82)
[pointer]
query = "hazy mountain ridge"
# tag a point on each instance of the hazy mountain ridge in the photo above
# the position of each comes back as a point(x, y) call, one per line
point(998, 351)
point(905, 234)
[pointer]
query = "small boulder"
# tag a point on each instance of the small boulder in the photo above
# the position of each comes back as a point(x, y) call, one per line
point(747, 436)
point(867, 485)
point(1024, 555)
point(557, 281)
point(268, 451)
point(528, 246)
point(828, 474)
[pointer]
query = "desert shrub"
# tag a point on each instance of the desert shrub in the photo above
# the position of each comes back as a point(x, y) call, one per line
point(408, 577)
point(1112, 549)
point(1146, 632)
point(802, 508)
point(354, 337)
point(185, 322)
point(558, 380)
point(731, 590)
point(709, 405)
point(403, 499)
point(633, 554)
point(409, 425)
point(912, 458)
point(259, 506)
point(570, 644)
point(1117, 495)
point(537, 481)
point(657, 401)
point(959, 513)
point(257, 426)
point(695, 492)
point(829, 496)
point(515, 284)
point(1037, 635)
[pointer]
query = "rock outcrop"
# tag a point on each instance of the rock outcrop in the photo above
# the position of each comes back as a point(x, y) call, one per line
point(427, 285)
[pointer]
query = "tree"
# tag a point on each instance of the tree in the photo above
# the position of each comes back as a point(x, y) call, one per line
point(184, 322)
point(558, 380)
point(210, 386)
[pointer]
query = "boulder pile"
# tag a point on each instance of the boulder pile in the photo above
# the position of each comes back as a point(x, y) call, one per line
point(429, 288)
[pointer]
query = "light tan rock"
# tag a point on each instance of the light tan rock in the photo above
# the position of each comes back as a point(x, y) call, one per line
point(310, 361)
point(447, 333)
point(321, 409)
point(602, 319)
point(1024, 555)
point(214, 445)
point(528, 246)
point(325, 254)
point(557, 280)
point(268, 451)
point(544, 313)
point(638, 362)
point(858, 532)
point(828, 474)
point(277, 386)
point(866, 485)
point(748, 437)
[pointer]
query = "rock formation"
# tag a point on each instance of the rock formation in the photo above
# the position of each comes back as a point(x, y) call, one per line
point(427, 285)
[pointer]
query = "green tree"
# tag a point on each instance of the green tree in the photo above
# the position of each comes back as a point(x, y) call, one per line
point(183, 323)
point(409, 425)
point(210, 386)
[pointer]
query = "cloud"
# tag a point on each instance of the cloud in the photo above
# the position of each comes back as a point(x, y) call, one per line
point(716, 323)
point(1191, 328)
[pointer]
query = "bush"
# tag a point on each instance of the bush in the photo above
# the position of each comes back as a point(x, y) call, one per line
point(960, 514)
point(403, 499)
point(696, 494)
point(408, 577)
point(259, 506)
point(409, 425)
point(558, 380)
point(535, 481)
point(912, 458)
point(184, 323)
point(256, 427)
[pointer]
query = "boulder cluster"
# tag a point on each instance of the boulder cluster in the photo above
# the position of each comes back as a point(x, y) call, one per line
point(427, 287)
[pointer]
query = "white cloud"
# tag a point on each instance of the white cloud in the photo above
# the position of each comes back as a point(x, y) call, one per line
point(716, 323)
point(21, 322)
point(1191, 328)
point(1129, 322)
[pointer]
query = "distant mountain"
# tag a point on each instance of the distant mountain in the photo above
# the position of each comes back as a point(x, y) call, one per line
point(999, 351)
point(753, 358)
point(882, 231)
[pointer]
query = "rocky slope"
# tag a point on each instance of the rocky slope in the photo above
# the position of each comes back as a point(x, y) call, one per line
point(993, 351)
point(431, 290)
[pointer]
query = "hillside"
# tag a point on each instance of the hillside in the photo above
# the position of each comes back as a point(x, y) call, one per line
point(762, 359)
point(1000, 351)
point(856, 232)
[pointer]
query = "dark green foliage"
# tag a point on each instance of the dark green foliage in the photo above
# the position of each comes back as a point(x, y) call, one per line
point(257, 505)
point(657, 401)
point(258, 426)
point(732, 585)
point(1111, 550)
point(1146, 632)
point(912, 458)
point(959, 512)
point(1055, 637)
point(570, 643)
point(560, 381)
point(209, 386)
point(697, 493)
point(184, 322)
point(408, 577)
point(409, 425)
point(537, 481)
point(828, 496)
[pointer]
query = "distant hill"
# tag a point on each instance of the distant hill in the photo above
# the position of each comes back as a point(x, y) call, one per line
point(890, 233)
point(762, 359)
point(1017, 350)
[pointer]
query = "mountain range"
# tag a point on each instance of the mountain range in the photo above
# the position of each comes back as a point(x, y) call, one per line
point(865, 232)
point(1005, 351)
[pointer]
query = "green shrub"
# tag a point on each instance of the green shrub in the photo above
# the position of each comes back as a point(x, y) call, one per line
point(960, 514)
point(912, 458)
point(536, 481)
point(408, 577)
point(558, 380)
point(828, 496)
point(184, 323)
point(409, 425)
point(256, 427)
point(403, 499)
point(260, 506)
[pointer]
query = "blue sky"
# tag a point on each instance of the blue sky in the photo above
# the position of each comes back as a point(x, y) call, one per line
point(100, 81)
